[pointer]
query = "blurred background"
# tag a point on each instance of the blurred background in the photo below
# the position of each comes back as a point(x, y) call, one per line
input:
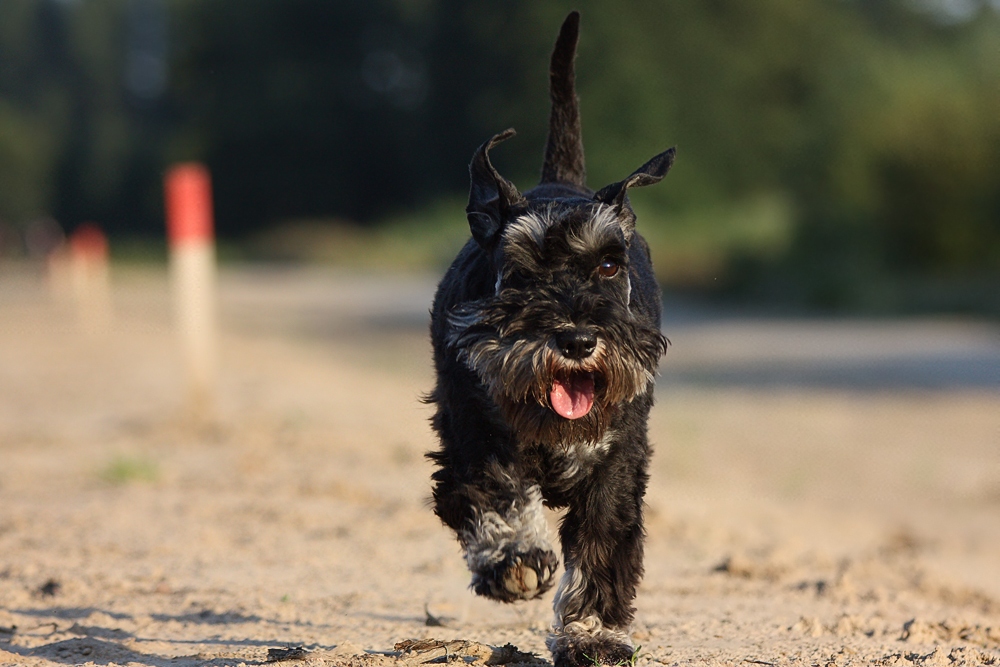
point(833, 154)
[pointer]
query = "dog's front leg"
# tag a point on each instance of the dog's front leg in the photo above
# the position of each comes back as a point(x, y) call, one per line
point(500, 522)
point(602, 537)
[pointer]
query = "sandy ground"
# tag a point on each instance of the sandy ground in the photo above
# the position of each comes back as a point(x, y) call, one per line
point(806, 518)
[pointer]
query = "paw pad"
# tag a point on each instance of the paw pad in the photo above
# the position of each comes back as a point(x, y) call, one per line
point(519, 576)
point(521, 580)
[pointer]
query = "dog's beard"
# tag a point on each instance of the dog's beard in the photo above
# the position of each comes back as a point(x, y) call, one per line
point(521, 373)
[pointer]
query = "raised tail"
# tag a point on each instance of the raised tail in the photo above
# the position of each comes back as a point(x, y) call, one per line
point(564, 150)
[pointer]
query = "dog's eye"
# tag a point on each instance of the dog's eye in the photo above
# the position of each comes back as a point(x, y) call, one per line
point(608, 267)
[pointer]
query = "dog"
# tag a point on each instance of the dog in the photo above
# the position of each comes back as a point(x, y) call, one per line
point(546, 337)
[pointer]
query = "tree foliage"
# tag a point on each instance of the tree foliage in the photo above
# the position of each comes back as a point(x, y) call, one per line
point(877, 122)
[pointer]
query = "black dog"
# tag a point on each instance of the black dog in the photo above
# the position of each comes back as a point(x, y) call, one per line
point(546, 333)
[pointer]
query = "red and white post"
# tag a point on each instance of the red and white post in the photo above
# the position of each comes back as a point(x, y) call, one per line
point(188, 199)
point(89, 275)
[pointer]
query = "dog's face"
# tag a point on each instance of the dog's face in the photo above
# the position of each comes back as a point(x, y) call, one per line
point(557, 346)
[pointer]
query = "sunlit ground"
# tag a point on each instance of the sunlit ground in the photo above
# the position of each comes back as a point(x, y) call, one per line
point(824, 490)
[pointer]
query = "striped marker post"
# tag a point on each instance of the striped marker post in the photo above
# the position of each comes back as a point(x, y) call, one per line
point(89, 275)
point(188, 200)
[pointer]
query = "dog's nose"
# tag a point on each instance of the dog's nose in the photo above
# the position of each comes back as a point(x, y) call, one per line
point(576, 344)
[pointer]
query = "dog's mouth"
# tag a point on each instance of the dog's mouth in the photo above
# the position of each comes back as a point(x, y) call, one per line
point(572, 394)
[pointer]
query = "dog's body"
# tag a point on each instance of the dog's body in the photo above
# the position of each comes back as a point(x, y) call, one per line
point(546, 334)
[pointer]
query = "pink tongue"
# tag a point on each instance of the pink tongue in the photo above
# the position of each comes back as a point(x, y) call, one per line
point(572, 397)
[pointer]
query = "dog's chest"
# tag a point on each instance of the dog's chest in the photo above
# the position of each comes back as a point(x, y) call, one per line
point(573, 461)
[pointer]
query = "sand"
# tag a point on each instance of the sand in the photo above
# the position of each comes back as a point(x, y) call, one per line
point(788, 525)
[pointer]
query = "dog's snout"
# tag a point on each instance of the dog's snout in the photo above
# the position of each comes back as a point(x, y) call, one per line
point(576, 344)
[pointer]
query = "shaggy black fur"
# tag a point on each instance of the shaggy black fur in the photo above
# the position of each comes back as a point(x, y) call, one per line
point(554, 293)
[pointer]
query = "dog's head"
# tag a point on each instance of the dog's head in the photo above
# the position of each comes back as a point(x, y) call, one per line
point(557, 344)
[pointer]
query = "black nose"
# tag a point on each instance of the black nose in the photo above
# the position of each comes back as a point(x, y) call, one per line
point(576, 344)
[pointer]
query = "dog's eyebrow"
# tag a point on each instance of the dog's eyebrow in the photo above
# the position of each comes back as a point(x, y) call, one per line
point(531, 226)
point(600, 230)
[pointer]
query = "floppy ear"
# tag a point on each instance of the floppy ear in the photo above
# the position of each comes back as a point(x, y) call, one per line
point(491, 196)
point(616, 194)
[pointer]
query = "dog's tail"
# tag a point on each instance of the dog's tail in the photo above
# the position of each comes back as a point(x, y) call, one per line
point(564, 150)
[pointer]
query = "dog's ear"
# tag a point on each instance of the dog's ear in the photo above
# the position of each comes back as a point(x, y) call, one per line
point(616, 194)
point(491, 196)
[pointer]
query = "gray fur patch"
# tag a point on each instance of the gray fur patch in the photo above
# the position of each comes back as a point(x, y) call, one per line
point(581, 456)
point(569, 598)
point(492, 536)
point(570, 616)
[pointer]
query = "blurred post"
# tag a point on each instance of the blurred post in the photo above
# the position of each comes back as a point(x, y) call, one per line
point(188, 199)
point(89, 278)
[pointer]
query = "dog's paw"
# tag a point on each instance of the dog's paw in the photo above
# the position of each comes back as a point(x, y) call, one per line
point(584, 650)
point(519, 576)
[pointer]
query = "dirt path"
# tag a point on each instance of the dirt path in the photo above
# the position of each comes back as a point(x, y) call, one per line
point(786, 526)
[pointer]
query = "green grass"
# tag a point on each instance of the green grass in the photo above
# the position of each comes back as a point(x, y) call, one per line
point(425, 239)
point(689, 247)
point(622, 663)
point(695, 246)
point(125, 469)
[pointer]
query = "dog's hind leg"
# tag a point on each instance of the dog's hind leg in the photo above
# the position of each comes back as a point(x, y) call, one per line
point(602, 537)
point(500, 523)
